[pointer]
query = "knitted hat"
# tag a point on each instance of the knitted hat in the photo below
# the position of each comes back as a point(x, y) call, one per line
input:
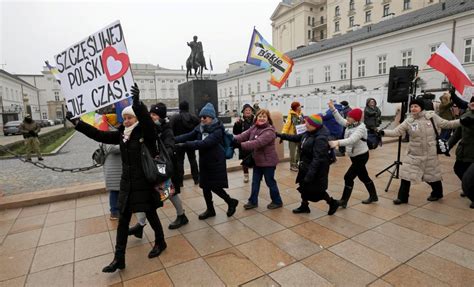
point(159, 109)
point(315, 120)
point(247, 106)
point(418, 102)
point(295, 105)
point(128, 111)
point(208, 110)
point(356, 114)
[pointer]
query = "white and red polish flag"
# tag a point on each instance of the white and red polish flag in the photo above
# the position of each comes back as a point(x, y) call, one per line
point(446, 62)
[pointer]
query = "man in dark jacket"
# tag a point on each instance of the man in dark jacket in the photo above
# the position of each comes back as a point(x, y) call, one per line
point(465, 150)
point(208, 138)
point(183, 123)
point(30, 129)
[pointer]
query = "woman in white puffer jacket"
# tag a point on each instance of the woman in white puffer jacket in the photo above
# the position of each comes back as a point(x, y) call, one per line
point(355, 141)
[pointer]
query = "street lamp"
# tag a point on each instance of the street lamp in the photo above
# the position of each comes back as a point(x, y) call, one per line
point(445, 85)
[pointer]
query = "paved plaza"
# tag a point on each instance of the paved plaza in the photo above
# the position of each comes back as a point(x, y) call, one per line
point(421, 244)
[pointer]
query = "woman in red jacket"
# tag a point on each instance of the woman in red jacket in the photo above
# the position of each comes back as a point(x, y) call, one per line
point(260, 139)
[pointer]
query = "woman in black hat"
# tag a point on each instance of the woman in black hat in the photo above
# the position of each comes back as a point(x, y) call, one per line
point(240, 126)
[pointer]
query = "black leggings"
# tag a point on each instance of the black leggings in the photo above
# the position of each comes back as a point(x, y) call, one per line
point(208, 196)
point(357, 169)
point(122, 230)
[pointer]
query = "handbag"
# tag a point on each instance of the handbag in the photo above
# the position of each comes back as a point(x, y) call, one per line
point(159, 168)
point(442, 146)
point(248, 161)
point(99, 155)
point(165, 189)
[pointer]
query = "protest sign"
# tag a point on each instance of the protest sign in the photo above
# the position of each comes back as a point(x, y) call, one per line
point(95, 72)
point(300, 129)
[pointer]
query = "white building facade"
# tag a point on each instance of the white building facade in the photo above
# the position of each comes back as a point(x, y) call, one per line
point(17, 98)
point(361, 58)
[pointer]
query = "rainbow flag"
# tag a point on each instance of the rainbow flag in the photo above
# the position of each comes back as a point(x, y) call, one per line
point(263, 55)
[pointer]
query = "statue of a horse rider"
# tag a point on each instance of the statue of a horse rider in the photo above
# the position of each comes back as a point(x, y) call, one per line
point(196, 59)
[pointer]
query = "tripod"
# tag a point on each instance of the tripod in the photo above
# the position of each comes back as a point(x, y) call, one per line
point(396, 164)
point(405, 104)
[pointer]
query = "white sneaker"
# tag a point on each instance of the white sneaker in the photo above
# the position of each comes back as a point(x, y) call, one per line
point(246, 178)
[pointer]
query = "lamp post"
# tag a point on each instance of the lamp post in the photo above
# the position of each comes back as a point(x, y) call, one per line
point(445, 85)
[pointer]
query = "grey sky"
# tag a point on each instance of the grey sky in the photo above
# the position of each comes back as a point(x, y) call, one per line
point(156, 32)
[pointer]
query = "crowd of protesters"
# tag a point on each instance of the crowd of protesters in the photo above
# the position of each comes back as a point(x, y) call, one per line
point(312, 141)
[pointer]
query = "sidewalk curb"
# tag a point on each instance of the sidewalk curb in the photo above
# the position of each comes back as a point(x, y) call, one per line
point(73, 192)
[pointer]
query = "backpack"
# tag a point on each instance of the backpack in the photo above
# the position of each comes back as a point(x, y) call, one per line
point(227, 146)
point(99, 155)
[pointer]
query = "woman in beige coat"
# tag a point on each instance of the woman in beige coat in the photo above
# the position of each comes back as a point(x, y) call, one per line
point(421, 162)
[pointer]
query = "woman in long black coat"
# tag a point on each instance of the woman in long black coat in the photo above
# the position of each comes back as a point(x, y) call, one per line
point(240, 126)
point(208, 138)
point(313, 168)
point(136, 193)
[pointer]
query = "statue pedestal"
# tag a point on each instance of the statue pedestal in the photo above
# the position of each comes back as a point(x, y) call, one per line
point(198, 93)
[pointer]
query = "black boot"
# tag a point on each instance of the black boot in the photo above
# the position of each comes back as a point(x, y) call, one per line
point(372, 193)
point(333, 205)
point(159, 247)
point(180, 221)
point(403, 192)
point(346, 194)
point(117, 263)
point(210, 212)
point(304, 208)
point(136, 230)
point(232, 205)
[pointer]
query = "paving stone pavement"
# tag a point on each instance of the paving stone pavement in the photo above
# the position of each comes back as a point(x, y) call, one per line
point(420, 244)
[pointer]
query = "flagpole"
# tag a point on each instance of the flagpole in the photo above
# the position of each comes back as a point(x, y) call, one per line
point(209, 66)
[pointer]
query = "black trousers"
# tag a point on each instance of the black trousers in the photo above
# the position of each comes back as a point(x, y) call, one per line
point(404, 191)
point(122, 230)
point(460, 168)
point(208, 196)
point(357, 169)
point(192, 162)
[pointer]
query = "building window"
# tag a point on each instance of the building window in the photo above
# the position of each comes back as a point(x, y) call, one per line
point(382, 64)
point(249, 88)
point(310, 76)
point(343, 70)
point(406, 4)
point(321, 35)
point(468, 51)
point(312, 21)
point(309, 21)
point(406, 58)
point(351, 21)
point(361, 68)
point(337, 12)
point(287, 84)
point(321, 20)
point(297, 79)
point(258, 87)
point(368, 15)
point(367, 2)
point(313, 35)
point(309, 34)
point(151, 81)
point(327, 73)
point(163, 81)
point(386, 10)
point(351, 5)
point(45, 116)
point(56, 96)
point(336, 26)
point(433, 48)
point(321, 9)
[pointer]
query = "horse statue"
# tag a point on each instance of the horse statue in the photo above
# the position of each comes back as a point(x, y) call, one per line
point(195, 60)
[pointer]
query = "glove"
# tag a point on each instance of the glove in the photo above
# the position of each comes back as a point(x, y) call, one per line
point(136, 94)
point(180, 146)
point(278, 135)
point(452, 92)
point(467, 121)
point(70, 119)
point(380, 133)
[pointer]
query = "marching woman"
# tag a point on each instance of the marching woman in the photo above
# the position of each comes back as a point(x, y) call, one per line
point(355, 139)
point(136, 193)
point(259, 142)
point(240, 126)
point(208, 138)
point(314, 164)
point(421, 162)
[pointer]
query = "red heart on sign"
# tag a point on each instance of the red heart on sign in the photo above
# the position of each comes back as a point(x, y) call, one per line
point(115, 64)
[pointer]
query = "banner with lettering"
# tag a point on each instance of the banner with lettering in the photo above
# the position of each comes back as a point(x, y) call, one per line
point(95, 72)
point(263, 55)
